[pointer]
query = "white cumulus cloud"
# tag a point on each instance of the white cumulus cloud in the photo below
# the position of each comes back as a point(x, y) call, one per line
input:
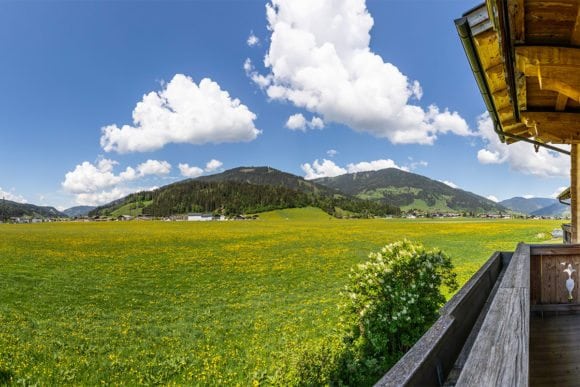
point(492, 198)
point(12, 196)
point(252, 40)
point(213, 165)
point(331, 152)
point(97, 183)
point(182, 112)
point(325, 169)
point(328, 168)
point(372, 166)
point(188, 171)
point(154, 167)
point(320, 59)
point(298, 122)
point(520, 156)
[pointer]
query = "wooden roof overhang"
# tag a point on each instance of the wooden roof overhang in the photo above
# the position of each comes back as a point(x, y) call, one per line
point(525, 55)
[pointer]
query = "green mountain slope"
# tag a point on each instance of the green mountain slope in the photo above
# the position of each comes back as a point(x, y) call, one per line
point(269, 176)
point(9, 209)
point(242, 191)
point(409, 191)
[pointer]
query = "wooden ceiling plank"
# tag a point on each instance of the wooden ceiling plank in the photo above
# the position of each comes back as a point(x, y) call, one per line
point(516, 14)
point(547, 55)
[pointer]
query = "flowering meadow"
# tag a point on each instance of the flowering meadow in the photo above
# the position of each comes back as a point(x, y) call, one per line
point(197, 303)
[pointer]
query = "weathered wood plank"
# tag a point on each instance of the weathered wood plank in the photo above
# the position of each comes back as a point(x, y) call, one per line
point(535, 279)
point(500, 355)
point(554, 350)
point(555, 250)
point(516, 14)
point(517, 274)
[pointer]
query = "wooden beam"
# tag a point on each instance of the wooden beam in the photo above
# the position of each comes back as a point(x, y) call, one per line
point(553, 126)
point(561, 102)
point(575, 191)
point(516, 14)
point(575, 38)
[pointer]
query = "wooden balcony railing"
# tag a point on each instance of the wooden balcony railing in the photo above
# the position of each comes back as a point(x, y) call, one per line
point(483, 335)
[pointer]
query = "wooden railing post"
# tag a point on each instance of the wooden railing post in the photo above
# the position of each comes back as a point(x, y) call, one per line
point(575, 191)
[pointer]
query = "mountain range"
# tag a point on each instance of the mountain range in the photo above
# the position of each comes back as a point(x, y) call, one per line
point(537, 206)
point(257, 189)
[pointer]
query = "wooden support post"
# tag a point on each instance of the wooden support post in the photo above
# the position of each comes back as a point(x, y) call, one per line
point(575, 191)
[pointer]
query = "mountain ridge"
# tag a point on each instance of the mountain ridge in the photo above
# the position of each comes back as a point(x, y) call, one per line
point(10, 209)
point(410, 191)
point(243, 190)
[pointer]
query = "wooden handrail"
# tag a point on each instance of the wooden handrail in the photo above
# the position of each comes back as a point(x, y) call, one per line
point(500, 354)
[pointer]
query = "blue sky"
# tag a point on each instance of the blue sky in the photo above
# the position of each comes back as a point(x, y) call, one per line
point(104, 98)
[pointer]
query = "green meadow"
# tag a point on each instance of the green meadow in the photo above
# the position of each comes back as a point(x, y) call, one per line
point(197, 303)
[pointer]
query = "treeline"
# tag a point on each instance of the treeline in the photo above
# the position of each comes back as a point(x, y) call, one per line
point(235, 198)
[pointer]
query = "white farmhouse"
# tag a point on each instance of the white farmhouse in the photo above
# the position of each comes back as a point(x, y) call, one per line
point(198, 217)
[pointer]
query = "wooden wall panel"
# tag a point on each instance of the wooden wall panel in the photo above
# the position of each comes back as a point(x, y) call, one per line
point(552, 279)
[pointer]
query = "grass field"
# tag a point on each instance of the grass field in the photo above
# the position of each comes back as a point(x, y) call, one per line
point(196, 303)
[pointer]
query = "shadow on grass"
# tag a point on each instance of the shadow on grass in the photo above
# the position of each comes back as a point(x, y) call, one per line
point(5, 376)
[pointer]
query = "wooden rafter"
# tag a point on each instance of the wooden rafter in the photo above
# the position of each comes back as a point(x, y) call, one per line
point(553, 125)
point(557, 69)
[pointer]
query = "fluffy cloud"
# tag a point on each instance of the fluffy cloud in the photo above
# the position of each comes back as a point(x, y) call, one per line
point(95, 184)
point(449, 183)
point(331, 152)
point(90, 178)
point(154, 167)
point(298, 122)
point(252, 40)
point(182, 112)
point(492, 198)
point(101, 197)
point(188, 171)
point(320, 59)
point(12, 196)
point(329, 169)
point(520, 156)
point(213, 165)
point(325, 169)
point(372, 166)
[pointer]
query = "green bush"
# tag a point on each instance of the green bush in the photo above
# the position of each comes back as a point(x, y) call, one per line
point(389, 302)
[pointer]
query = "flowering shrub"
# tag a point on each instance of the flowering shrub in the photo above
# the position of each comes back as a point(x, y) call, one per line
point(389, 302)
point(393, 298)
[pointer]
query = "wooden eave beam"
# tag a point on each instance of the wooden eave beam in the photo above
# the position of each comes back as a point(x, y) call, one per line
point(554, 125)
point(557, 69)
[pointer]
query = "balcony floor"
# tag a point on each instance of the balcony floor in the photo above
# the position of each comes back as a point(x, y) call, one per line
point(555, 350)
